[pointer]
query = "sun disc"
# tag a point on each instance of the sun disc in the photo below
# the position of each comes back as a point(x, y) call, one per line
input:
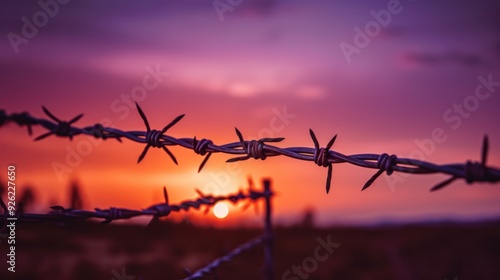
point(221, 210)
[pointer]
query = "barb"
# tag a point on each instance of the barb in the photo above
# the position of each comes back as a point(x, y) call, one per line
point(254, 148)
point(153, 137)
point(471, 172)
point(474, 171)
point(210, 268)
point(321, 157)
point(63, 128)
point(200, 147)
point(61, 214)
point(385, 163)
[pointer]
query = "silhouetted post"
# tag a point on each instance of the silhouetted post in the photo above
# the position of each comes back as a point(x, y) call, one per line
point(26, 200)
point(268, 231)
point(75, 198)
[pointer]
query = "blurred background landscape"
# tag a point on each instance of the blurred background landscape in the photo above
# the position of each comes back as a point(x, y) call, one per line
point(167, 248)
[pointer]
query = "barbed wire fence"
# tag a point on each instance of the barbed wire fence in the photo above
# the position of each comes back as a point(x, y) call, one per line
point(471, 172)
point(62, 215)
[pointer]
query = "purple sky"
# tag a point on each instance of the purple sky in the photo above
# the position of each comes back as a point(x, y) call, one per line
point(237, 69)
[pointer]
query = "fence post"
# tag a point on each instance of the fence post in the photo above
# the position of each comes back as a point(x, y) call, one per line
point(268, 232)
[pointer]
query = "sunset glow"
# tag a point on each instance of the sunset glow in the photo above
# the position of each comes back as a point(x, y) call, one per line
point(262, 70)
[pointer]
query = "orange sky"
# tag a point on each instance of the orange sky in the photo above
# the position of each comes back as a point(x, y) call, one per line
point(241, 71)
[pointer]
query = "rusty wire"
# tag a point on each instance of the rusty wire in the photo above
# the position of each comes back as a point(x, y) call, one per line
point(261, 149)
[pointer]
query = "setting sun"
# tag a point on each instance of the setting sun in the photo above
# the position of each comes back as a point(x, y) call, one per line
point(221, 210)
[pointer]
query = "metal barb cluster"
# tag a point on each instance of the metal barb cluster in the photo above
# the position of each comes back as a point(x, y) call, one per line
point(321, 157)
point(471, 172)
point(474, 171)
point(63, 128)
point(153, 137)
point(60, 214)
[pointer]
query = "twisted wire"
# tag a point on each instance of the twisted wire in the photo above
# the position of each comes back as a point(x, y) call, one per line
point(471, 172)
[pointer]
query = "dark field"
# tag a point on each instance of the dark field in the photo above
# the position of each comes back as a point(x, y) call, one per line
point(438, 251)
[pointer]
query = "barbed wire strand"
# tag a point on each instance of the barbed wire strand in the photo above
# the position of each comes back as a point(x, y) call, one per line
point(471, 172)
point(61, 214)
point(210, 268)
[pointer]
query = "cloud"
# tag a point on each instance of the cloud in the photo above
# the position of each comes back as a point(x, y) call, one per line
point(242, 90)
